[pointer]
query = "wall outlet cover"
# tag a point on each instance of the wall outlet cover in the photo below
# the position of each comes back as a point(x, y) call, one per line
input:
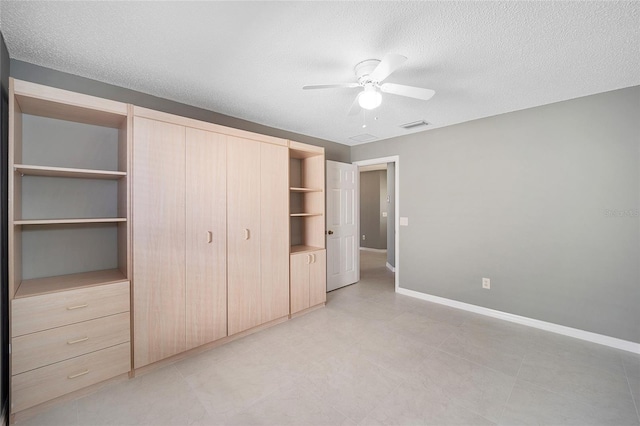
point(404, 221)
point(486, 283)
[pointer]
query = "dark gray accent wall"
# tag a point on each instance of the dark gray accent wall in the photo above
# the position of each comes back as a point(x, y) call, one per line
point(49, 77)
point(543, 201)
point(4, 245)
point(373, 195)
point(391, 219)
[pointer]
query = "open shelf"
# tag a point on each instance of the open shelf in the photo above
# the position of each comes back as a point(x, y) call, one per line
point(293, 189)
point(49, 171)
point(37, 286)
point(69, 221)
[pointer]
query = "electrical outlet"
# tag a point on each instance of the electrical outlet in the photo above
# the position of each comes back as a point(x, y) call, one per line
point(364, 237)
point(486, 283)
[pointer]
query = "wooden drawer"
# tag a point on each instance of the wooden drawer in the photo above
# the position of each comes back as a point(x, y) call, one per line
point(40, 385)
point(37, 313)
point(50, 346)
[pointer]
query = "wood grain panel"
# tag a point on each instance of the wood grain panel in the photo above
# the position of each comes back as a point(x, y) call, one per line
point(318, 278)
point(206, 257)
point(158, 210)
point(274, 226)
point(40, 385)
point(37, 313)
point(299, 282)
point(243, 220)
point(47, 347)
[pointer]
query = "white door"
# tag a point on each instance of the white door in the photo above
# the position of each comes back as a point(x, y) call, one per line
point(343, 255)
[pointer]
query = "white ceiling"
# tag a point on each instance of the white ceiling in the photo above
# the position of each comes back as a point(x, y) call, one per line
point(251, 59)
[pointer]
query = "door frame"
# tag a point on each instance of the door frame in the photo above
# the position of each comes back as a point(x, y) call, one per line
point(396, 226)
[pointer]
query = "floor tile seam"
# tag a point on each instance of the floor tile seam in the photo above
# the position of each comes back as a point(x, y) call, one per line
point(620, 376)
point(569, 396)
point(633, 399)
point(379, 404)
point(476, 363)
point(513, 386)
point(513, 354)
point(260, 399)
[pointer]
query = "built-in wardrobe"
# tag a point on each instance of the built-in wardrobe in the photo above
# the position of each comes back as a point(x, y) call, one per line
point(137, 236)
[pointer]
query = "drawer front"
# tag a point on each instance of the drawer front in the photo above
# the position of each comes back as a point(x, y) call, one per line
point(50, 346)
point(37, 313)
point(40, 385)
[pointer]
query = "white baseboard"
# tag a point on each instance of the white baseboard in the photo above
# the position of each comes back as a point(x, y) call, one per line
point(391, 268)
point(374, 250)
point(601, 339)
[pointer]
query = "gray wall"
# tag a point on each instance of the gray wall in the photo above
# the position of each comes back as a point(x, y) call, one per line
point(373, 201)
point(391, 219)
point(543, 201)
point(36, 74)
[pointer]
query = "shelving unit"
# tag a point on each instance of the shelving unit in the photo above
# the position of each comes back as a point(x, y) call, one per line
point(307, 221)
point(69, 156)
point(69, 244)
point(306, 196)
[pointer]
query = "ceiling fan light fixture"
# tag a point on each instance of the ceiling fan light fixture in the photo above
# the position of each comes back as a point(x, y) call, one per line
point(370, 98)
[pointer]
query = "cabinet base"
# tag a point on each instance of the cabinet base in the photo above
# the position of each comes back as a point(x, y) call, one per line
point(306, 311)
point(191, 352)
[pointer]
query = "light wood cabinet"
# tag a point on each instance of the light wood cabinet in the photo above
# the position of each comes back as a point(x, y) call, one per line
point(307, 207)
point(257, 233)
point(274, 235)
point(308, 280)
point(206, 236)
point(158, 240)
point(69, 245)
point(180, 242)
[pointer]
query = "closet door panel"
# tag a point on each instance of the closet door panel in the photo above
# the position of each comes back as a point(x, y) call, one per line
point(274, 225)
point(206, 237)
point(318, 278)
point(300, 281)
point(243, 234)
point(158, 240)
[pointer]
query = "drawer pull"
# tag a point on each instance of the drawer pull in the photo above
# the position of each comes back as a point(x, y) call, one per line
point(73, 342)
point(71, 308)
point(73, 376)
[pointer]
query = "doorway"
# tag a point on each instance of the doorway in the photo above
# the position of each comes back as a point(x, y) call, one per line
point(381, 227)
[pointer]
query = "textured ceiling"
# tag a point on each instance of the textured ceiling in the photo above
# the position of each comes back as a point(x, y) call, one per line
point(251, 59)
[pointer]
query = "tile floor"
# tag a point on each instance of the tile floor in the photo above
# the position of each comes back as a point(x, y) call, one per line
point(372, 357)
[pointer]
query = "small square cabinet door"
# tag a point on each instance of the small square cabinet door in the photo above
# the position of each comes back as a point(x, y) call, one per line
point(318, 278)
point(300, 281)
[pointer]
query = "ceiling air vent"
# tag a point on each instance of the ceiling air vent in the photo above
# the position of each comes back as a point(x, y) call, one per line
point(414, 124)
point(365, 137)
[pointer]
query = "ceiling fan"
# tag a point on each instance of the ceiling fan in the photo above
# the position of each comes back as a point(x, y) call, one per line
point(370, 74)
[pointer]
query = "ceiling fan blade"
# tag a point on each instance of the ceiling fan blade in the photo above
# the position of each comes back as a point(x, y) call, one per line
point(409, 91)
point(389, 64)
point(355, 106)
point(331, 86)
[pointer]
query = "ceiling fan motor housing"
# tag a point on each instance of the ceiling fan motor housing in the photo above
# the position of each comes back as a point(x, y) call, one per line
point(364, 69)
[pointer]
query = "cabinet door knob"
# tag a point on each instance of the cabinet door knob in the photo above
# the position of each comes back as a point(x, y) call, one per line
point(313, 258)
point(209, 237)
point(330, 232)
point(73, 342)
point(247, 234)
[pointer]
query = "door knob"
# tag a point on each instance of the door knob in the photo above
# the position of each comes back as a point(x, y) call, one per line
point(330, 232)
